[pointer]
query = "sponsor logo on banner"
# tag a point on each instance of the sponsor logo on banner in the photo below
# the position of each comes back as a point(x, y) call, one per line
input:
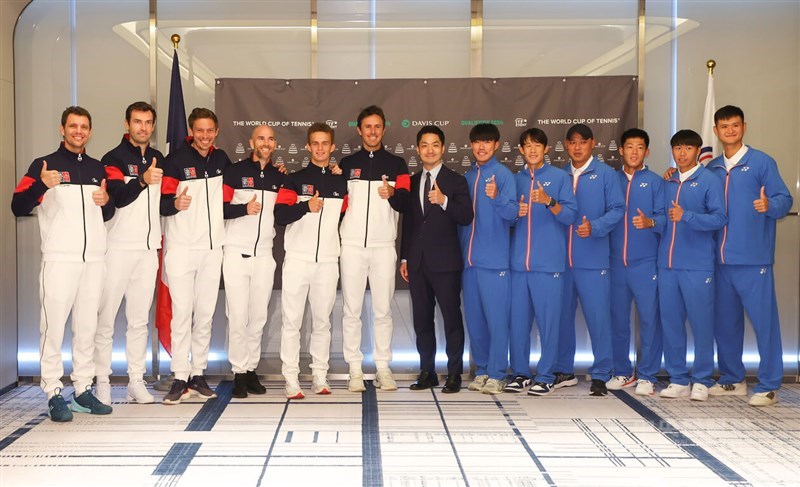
point(280, 148)
point(412, 162)
point(465, 161)
point(332, 123)
point(248, 183)
point(190, 172)
point(307, 189)
point(559, 146)
point(469, 123)
point(612, 145)
point(65, 177)
point(279, 160)
point(520, 122)
point(600, 158)
point(293, 149)
point(346, 149)
point(355, 173)
point(518, 161)
point(405, 123)
point(133, 169)
point(452, 149)
point(547, 159)
point(398, 149)
point(240, 148)
point(506, 147)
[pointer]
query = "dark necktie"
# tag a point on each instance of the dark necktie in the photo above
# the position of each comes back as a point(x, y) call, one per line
point(426, 203)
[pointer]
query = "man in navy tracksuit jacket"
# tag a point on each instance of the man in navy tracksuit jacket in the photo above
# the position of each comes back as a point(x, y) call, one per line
point(634, 250)
point(547, 207)
point(600, 208)
point(696, 209)
point(755, 198)
point(485, 245)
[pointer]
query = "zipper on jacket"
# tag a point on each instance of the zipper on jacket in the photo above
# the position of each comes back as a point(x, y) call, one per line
point(149, 223)
point(674, 226)
point(260, 214)
point(572, 227)
point(528, 253)
point(725, 228)
point(319, 223)
point(369, 191)
point(475, 212)
point(208, 208)
point(625, 238)
point(83, 209)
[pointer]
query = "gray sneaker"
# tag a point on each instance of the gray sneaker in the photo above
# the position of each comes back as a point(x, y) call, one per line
point(494, 386)
point(478, 382)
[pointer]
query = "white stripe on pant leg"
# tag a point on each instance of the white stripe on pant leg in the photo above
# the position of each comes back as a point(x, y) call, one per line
point(237, 271)
point(84, 323)
point(382, 269)
point(118, 272)
point(260, 294)
point(322, 296)
point(354, 268)
point(206, 295)
point(138, 301)
point(57, 288)
point(293, 305)
point(180, 268)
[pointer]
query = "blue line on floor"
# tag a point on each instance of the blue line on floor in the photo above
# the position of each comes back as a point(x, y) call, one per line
point(536, 460)
point(682, 441)
point(8, 440)
point(177, 459)
point(207, 416)
point(274, 440)
point(372, 470)
point(450, 438)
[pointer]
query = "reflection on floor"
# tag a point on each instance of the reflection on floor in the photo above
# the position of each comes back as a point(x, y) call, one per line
point(404, 438)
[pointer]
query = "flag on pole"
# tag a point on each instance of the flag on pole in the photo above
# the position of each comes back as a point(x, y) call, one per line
point(709, 149)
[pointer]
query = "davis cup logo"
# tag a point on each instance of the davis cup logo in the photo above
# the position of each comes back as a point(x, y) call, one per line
point(247, 183)
point(133, 169)
point(307, 189)
point(189, 172)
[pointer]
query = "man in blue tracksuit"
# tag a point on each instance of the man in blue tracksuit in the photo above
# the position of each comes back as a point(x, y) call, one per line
point(600, 208)
point(634, 249)
point(538, 260)
point(695, 210)
point(485, 244)
point(755, 198)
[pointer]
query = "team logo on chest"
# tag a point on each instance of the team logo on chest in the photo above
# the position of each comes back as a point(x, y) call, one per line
point(355, 173)
point(190, 172)
point(133, 169)
point(65, 177)
point(307, 190)
point(248, 183)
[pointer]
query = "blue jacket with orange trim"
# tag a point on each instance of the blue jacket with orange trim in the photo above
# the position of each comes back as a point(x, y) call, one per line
point(631, 245)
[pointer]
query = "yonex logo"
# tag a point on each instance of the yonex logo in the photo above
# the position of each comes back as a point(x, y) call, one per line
point(643, 185)
point(546, 183)
point(708, 280)
point(593, 176)
point(502, 274)
point(655, 276)
point(603, 272)
point(745, 168)
point(693, 185)
point(557, 275)
point(763, 270)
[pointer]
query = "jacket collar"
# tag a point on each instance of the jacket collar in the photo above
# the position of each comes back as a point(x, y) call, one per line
point(677, 179)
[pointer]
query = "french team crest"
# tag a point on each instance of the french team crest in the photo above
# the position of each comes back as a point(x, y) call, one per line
point(247, 183)
point(355, 173)
point(307, 189)
point(65, 177)
point(190, 172)
point(133, 169)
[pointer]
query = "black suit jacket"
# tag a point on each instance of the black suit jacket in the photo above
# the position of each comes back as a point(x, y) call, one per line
point(435, 235)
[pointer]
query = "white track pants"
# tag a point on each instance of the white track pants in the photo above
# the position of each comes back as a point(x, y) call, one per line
point(317, 281)
point(130, 274)
point(248, 288)
point(193, 280)
point(379, 265)
point(65, 287)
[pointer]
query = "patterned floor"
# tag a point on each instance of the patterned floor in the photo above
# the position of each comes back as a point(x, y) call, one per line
point(405, 438)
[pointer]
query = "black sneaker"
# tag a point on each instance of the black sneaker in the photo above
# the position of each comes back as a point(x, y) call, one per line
point(176, 392)
point(199, 387)
point(519, 384)
point(540, 389)
point(87, 403)
point(598, 388)
point(564, 380)
point(253, 385)
point(239, 386)
point(57, 408)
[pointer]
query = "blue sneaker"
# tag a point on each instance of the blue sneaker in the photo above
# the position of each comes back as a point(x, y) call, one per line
point(87, 403)
point(57, 408)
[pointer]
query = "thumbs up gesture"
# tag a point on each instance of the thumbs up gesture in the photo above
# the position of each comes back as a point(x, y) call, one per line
point(523, 207)
point(153, 174)
point(539, 195)
point(49, 178)
point(315, 203)
point(100, 195)
point(585, 228)
point(385, 190)
point(762, 203)
point(435, 195)
point(183, 200)
point(641, 221)
point(675, 213)
point(253, 206)
point(491, 188)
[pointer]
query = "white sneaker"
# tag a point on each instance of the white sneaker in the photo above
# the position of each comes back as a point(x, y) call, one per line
point(292, 389)
point(385, 381)
point(699, 393)
point(494, 386)
point(738, 389)
point(644, 388)
point(320, 385)
point(675, 390)
point(137, 392)
point(103, 391)
point(761, 399)
point(620, 382)
point(356, 382)
point(478, 382)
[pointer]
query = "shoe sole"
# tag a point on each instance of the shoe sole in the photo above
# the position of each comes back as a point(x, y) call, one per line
point(171, 402)
point(698, 398)
point(299, 395)
point(259, 392)
point(323, 392)
point(566, 383)
point(77, 408)
point(130, 398)
point(645, 393)
point(385, 387)
point(537, 393)
point(199, 394)
point(727, 393)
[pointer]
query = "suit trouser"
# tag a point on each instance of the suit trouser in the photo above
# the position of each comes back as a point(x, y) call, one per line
point(637, 282)
point(535, 294)
point(193, 280)
point(593, 288)
point(486, 310)
point(426, 287)
point(741, 288)
point(683, 293)
point(130, 274)
point(65, 287)
point(317, 282)
point(379, 265)
point(248, 289)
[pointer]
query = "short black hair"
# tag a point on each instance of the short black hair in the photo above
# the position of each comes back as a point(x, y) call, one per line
point(583, 130)
point(198, 113)
point(686, 137)
point(75, 110)
point(484, 132)
point(369, 111)
point(139, 106)
point(320, 127)
point(430, 129)
point(727, 112)
point(635, 133)
point(534, 135)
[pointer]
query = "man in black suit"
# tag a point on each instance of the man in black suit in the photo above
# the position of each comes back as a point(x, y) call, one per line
point(431, 259)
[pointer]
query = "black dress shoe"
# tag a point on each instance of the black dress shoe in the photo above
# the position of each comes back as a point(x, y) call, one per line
point(452, 384)
point(426, 380)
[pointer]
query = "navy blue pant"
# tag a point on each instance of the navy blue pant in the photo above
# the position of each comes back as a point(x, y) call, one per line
point(486, 311)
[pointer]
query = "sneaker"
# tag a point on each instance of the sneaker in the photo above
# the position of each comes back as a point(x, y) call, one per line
point(564, 380)
point(239, 386)
point(645, 388)
point(385, 381)
point(674, 390)
point(356, 382)
point(699, 392)
point(177, 392)
point(598, 388)
point(540, 389)
point(199, 387)
point(57, 408)
point(254, 386)
point(321, 386)
point(478, 382)
point(738, 389)
point(761, 399)
point(519, 384)
point(620, 382)
point(137, 392)
point(292, 389)
point(494, 386)
point(87, 403)
point(103, 391)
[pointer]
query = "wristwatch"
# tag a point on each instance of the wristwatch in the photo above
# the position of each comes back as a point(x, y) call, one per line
point(551, 203)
